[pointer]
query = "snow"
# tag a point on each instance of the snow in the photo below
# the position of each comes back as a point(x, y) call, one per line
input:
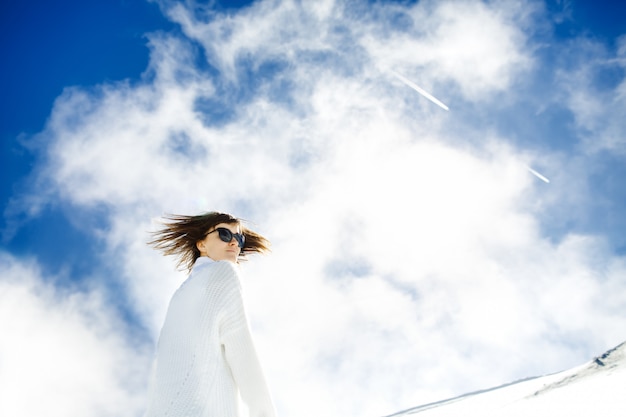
point(596, 388)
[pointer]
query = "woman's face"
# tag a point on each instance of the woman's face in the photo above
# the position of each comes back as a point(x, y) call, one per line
point(218, 250)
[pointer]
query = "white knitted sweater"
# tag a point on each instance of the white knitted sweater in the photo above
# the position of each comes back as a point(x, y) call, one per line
point(205, 354)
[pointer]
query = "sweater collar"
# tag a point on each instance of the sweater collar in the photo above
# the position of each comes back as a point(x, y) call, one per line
point(203, 260)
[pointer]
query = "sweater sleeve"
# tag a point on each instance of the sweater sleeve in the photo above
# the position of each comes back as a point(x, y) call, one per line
point(240, 352)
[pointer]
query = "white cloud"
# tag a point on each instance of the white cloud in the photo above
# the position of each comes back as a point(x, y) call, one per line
point(62, 352)
point(481, 48)
point(595, 91)
point(408, 261)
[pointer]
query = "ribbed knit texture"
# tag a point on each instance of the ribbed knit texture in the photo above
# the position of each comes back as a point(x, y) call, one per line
point(205, 354)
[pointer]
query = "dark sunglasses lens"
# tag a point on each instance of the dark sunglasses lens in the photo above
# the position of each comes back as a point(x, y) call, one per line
point(226, 236)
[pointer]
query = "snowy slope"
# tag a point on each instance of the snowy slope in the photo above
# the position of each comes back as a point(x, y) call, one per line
point(597, 388)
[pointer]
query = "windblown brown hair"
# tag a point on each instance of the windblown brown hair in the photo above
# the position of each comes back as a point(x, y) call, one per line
point(180, 234)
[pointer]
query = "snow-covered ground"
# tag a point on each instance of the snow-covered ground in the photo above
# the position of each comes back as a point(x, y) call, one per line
point(597, 388)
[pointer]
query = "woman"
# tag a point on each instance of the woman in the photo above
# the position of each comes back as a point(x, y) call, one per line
point(205, 355)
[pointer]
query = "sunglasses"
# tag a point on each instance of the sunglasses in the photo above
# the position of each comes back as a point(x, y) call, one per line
point(226, 235)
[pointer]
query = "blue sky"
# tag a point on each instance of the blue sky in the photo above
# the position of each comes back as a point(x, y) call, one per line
point(414, 222)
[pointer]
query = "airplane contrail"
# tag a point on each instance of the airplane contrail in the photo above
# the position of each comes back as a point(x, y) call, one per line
point(420, 90)
point(538, 175)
